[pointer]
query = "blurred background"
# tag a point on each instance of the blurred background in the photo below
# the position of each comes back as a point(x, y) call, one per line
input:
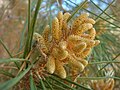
point(14, 20)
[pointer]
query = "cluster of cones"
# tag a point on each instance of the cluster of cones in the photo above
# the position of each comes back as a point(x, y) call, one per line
point(66, 46)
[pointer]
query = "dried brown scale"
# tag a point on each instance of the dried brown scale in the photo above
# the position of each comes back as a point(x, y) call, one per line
point(68, 45)
point(109, 85)
point(25, 82)
point(102, 84)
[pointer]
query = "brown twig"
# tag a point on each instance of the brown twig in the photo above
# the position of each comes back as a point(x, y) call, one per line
point(24, 63)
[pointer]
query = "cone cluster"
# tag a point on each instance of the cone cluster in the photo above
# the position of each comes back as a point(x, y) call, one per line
point(67, 45)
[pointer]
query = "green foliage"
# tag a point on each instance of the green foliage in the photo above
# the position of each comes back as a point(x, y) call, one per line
point(102, 57)
point(31, 26)
point(32, 84)
point(8, 84)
